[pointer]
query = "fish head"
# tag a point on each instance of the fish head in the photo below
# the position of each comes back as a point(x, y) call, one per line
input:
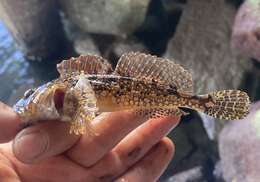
point(42, 103)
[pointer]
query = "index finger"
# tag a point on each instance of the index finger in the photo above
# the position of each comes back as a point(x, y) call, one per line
point(47, 139)
point(9, 123)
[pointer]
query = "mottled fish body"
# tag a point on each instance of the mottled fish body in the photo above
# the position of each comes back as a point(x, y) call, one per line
point(148, 85)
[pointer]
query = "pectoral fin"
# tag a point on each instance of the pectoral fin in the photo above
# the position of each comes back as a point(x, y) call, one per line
point(87, 107)
point(81, 123)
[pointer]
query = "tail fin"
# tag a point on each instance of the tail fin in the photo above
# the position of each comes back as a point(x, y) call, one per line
point(229, 105)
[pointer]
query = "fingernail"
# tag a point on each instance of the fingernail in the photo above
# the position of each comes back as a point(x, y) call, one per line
point(29, 146)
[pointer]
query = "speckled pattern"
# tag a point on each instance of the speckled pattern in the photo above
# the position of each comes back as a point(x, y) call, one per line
point(150, 86)
point(232, 105)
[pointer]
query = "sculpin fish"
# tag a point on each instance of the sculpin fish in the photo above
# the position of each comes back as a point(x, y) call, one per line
point(147, 85)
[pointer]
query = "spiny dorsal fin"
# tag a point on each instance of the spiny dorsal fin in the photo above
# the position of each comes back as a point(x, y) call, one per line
point(89, 64)
point(145, 66)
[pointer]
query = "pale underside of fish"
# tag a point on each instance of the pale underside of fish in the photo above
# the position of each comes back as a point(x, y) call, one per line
point(149, 86)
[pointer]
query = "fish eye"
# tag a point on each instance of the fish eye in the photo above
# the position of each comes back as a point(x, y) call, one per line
point(28, 93)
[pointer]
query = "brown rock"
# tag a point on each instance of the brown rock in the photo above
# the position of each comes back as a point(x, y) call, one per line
point(246, 30)
point(239, 148)
point(202, 45)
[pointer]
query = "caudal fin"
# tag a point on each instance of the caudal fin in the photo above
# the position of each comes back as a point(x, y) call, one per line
point(229, 105)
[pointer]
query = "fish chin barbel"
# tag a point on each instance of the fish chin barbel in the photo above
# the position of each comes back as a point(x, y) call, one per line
point(150, 86)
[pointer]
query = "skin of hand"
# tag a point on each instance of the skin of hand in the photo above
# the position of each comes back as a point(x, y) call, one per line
point(125, 147)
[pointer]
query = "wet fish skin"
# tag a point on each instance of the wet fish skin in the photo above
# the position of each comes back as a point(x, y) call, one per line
point(87, 86)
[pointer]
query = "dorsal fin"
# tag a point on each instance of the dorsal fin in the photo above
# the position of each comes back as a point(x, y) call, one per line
point(145, 66)
point(89, 64)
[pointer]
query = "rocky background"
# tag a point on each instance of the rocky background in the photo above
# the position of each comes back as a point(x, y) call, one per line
point(217, 40)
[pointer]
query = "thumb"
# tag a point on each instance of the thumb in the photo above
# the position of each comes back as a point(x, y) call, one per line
point(9, 123)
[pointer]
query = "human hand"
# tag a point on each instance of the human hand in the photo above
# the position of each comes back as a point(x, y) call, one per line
point(121, 150)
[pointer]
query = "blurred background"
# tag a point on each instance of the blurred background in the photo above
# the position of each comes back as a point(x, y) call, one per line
point(217, 40)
